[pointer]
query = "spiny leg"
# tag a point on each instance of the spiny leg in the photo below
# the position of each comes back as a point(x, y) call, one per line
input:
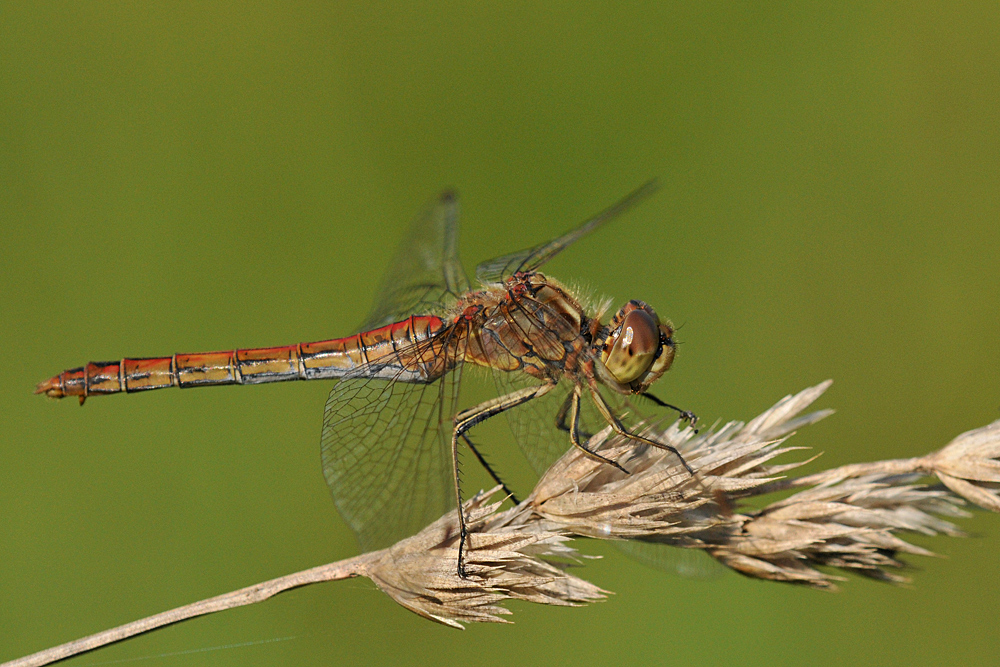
point(616, 425)
point(618, 428)
point(562, 418)
point(489, 469)
point(721, 499)
point(465, 420)
point(574, 431)
point(563, 414)
point(684, 415)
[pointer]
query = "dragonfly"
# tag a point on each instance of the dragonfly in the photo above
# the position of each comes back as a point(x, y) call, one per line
point(392, 429)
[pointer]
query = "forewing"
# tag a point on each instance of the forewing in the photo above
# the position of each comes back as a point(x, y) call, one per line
point(426, 276)
point(386, 453)
point(497, 270)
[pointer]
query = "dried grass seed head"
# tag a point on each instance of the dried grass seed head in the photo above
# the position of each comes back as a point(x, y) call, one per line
point(503, 559)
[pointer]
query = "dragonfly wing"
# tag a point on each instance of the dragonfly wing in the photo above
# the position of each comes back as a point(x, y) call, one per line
point(689, 563)
point(497, 270)
point(386, 453)
point(426, 276)
point(534, 423)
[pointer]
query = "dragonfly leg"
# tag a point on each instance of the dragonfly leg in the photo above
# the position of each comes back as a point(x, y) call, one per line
point(489, 469)
point(718, 494)
point(618, 428)
point(562, 418)
point(574, 431)
point(684, 415)
point(465, 420)
point(563, 414)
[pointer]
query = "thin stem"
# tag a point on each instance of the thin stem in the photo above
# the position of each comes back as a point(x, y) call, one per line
point(920, 464)
point(344, 569)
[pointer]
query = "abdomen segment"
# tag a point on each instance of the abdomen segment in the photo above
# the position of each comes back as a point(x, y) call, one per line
point(393, 351)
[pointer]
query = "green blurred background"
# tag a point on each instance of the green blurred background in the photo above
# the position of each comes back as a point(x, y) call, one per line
point(184, 177)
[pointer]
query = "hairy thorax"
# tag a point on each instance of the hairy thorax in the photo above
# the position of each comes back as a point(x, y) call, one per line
point(529, 324)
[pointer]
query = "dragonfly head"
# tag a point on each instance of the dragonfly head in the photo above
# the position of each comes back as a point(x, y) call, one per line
point(639, 348)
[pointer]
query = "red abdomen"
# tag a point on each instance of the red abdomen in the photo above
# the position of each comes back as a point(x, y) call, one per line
point(403, 351)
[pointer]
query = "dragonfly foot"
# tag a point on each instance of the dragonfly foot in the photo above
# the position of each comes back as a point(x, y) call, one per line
point(683, 415)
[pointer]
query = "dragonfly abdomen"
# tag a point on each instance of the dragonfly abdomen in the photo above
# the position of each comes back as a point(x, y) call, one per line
point(380, 352)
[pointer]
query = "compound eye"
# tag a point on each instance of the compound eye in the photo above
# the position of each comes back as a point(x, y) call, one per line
point(630, 351)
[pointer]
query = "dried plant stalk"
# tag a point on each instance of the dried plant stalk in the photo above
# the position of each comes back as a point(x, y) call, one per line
point(503, 561)
point(848, 518)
